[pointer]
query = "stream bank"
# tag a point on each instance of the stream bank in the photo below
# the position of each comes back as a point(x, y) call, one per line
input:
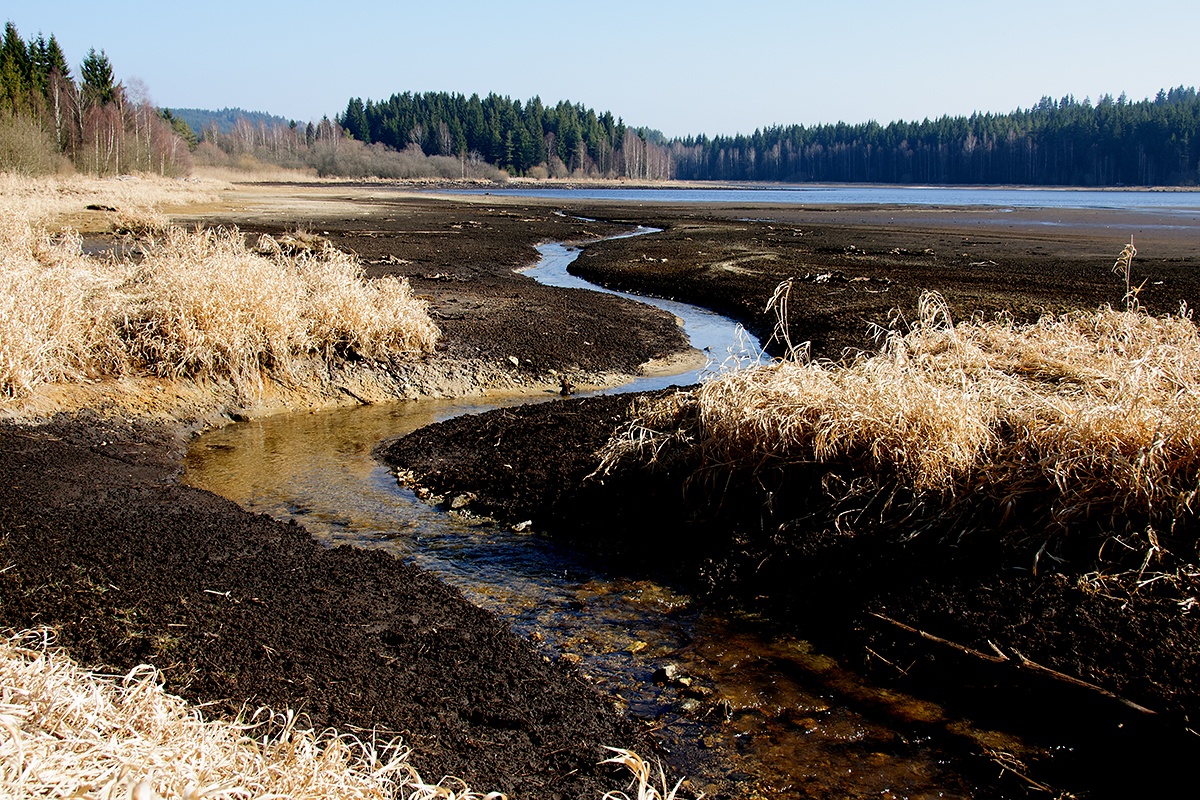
point(100, 542)
point(465, 271)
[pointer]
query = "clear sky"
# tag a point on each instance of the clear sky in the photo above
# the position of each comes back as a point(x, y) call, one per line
point(682, 67)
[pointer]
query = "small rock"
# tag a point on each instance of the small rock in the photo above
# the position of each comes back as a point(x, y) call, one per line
point(666, 673)
point(461, 501)
point(516, 362)
point(522, 527)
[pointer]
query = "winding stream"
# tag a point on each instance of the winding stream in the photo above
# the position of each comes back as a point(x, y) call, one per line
point(748, 712)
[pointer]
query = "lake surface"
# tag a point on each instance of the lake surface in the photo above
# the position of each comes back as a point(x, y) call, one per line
point(1132, 199)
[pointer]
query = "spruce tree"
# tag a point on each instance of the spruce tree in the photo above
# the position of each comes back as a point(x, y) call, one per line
point(97, 73)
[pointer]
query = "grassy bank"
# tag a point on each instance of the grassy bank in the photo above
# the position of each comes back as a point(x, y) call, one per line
point(200, 305)
point(1078, 435)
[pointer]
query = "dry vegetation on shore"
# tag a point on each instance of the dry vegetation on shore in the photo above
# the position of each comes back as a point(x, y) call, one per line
point(1088, 420)
point(68, 732)
point(181, 304)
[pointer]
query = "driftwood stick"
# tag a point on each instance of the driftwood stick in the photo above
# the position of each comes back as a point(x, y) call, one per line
point(1021, 662)
point(1062, 676)
point(1000, 659)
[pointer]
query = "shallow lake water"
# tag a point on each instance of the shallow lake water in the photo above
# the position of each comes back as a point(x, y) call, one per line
point(749, 709)
point(1182, 201)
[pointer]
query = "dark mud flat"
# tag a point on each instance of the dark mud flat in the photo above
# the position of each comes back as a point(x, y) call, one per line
point(785, 561)
point(100, 543)
point(853, 266)
point(462, 257)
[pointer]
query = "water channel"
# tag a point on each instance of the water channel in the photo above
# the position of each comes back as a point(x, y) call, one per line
point(755, 711)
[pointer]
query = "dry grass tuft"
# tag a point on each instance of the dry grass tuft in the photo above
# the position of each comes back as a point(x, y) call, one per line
point(66, 732)
point(56, 309)
point(195, 304)
point(1099, 411)
point(204, 304)
point(644, 786)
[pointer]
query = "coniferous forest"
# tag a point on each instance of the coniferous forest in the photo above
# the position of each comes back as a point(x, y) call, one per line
point(1112, 142)
point(48, 118)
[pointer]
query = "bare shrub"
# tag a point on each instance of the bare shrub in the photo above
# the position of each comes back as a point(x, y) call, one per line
point(349, 158)
point(27, 149)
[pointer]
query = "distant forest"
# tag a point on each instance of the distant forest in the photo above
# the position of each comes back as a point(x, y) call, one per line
point(226, 120)
point(1055, 143)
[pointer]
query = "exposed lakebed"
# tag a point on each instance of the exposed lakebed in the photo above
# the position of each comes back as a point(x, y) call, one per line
point(877, 259)
point(739, 705)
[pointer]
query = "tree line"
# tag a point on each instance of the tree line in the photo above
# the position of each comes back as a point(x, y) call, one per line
point(1055, 143)
point(528, 138)
point(98, 125)
point(1059, 143)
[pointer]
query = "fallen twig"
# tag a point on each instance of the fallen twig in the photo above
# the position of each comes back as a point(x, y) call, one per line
point(1020, 662)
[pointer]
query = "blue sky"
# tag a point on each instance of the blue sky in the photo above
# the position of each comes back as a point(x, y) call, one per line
point(682, 67)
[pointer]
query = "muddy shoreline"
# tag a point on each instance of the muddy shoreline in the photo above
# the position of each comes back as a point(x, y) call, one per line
point(979, 593)
point(100, 541)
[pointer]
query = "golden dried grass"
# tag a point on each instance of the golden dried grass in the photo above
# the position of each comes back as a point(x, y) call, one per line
point(195, 304)
point(1103, 408)
point(56, 309)
point(67, 732)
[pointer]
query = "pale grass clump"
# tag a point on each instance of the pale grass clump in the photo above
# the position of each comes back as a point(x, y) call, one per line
point(56, 309)
point(197, 304)
point(1102, 409)
point(207, 305)
point(67, 732)
point(350, 315)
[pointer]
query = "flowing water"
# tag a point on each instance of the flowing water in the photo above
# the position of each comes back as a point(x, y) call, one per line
point(742, 708)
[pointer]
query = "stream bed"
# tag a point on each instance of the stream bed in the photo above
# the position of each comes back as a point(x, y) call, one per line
point(743, 709)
